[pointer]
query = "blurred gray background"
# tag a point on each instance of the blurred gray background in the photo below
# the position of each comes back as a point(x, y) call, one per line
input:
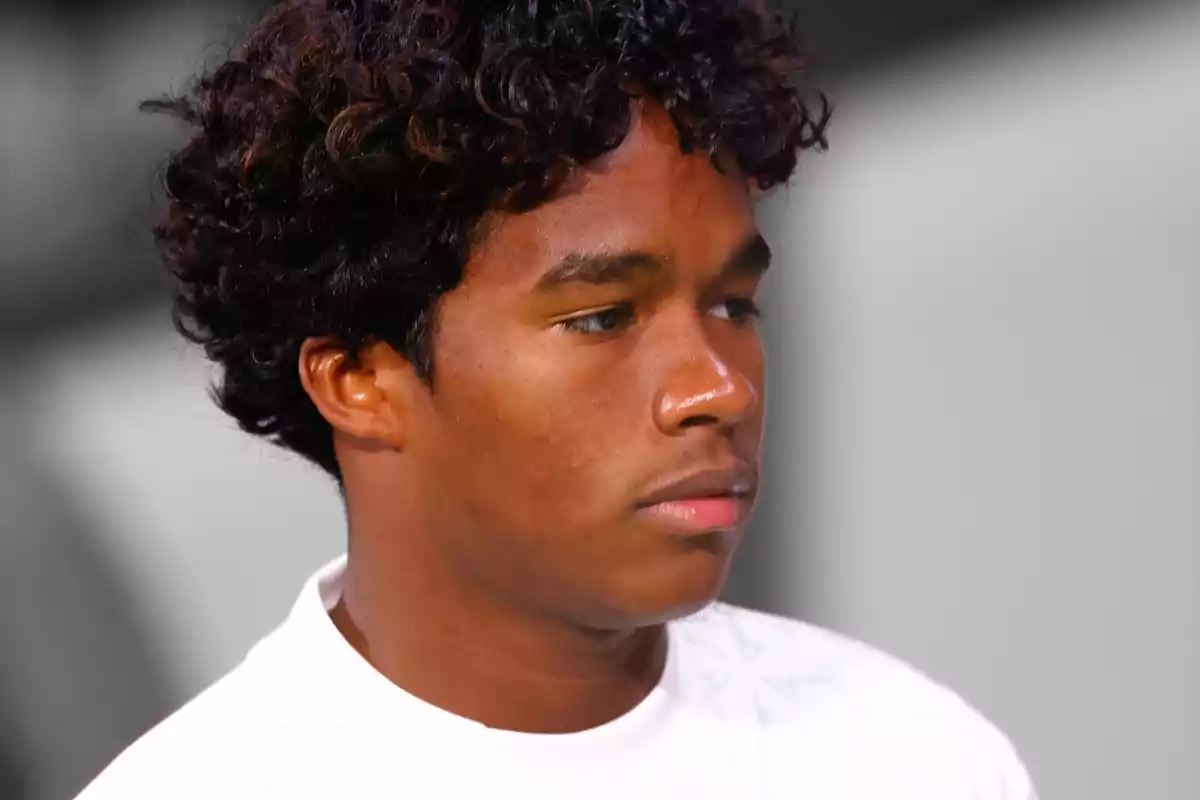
point(985, 401)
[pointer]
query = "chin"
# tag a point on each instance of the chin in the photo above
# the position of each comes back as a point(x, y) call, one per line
point(676, 585)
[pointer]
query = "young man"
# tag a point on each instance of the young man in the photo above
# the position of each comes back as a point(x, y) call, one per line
point(493, 267)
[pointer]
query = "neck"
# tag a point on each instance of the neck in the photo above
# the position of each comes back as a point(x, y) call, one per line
point(440, 638)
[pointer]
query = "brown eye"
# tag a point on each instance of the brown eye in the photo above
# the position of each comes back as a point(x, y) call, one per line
point(605, 320)
point(740, 310)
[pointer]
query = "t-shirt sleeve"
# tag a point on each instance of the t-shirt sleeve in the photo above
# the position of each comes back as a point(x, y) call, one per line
point(997, 771)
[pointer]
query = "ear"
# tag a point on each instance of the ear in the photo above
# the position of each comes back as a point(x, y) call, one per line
point(368, 397)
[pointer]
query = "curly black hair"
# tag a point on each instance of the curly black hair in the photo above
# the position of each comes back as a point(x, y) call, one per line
point(341, 161)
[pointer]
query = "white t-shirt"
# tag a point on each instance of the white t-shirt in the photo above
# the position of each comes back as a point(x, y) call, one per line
point(750, 706)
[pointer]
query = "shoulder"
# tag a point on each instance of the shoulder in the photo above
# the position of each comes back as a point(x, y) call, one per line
point(767, 648)
point(225, 742)
point(821, 691)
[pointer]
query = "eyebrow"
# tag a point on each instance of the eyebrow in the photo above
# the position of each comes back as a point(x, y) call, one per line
point(752, 258)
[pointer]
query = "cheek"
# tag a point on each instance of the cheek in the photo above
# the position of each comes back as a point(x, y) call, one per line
point(530, 434)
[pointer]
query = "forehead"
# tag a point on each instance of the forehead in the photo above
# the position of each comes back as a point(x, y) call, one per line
point(645, 196)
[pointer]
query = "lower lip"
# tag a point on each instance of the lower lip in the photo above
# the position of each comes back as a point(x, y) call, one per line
point(698, 514)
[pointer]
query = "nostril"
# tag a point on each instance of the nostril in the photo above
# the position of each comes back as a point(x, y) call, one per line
point(699, 420)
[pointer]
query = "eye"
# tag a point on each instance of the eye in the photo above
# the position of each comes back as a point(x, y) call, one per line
point(739, 310)
point(604, 320)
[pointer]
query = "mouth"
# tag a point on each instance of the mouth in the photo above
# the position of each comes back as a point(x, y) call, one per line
point(703, 501)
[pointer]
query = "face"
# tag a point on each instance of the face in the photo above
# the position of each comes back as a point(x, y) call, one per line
point(591, 444)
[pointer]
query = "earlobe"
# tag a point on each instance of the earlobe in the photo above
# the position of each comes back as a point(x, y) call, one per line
point(349, 393)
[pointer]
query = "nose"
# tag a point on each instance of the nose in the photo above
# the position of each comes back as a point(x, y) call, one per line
point(705, 390)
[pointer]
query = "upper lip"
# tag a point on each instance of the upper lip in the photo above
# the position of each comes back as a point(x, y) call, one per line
point(733, 481)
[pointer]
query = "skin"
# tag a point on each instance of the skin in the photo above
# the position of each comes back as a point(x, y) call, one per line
point(500, 566)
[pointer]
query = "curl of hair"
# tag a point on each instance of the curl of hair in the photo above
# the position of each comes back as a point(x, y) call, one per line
point(342, 159)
